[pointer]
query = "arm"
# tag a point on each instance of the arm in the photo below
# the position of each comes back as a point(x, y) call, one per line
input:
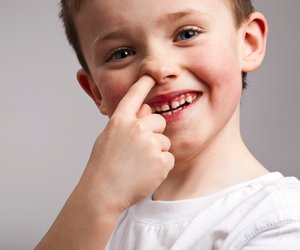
point(79, 227)
point(128, 162)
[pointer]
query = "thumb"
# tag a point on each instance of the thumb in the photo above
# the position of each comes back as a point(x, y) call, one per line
point(144, 111)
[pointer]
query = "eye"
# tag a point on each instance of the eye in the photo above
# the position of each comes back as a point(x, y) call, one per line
point(119, 54)
point(187, 33)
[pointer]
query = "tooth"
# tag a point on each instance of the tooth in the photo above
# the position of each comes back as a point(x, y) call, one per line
point(168, 113)
point(176, 110)
point(175, 104)
point(165, 107)
point(153, 109)
point(158, 109)
point(182, 101)
point(189, 99)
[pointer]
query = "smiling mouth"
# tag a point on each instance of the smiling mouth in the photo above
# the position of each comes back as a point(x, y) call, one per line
point(174, 105)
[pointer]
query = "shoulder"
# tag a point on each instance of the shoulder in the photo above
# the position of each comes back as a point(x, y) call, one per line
point(283, 194)
point(272, 195)
point(273, 189)
point(276, 201)
point(274, 220)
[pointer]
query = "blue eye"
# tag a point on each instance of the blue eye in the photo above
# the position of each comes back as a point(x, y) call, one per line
point(120, 54)
point(187, 33)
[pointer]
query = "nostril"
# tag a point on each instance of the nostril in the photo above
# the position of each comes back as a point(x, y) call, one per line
point(161, 71)
point(168, 73)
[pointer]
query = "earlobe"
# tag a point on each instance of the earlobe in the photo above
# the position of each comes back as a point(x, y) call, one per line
point(89, 86)
point(255, 31)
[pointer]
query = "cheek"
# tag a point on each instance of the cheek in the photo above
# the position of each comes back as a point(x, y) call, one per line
point(218, 68)
point(113, 87)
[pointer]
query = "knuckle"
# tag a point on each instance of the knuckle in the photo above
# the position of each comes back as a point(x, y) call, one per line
point(165, 142)
point(161, 120)
point(167, 164)
point(139, 126)
point(152, 143)
point(162, 160)
point(170, 159)
point(168, 142)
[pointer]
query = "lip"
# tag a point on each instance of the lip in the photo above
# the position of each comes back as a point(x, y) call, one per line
point(164, 98)
point(168, 97)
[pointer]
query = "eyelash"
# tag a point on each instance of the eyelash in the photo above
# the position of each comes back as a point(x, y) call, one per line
point(115, 52)
point(195, 30)
point(110, 57)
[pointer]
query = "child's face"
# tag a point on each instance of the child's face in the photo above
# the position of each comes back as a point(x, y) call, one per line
point(190, 46)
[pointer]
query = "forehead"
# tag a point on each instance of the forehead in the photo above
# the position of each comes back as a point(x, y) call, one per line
point(139, 9)
point(104, 14)
point(105, 20)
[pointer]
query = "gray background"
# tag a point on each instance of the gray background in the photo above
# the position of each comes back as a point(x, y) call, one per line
point(48, 125)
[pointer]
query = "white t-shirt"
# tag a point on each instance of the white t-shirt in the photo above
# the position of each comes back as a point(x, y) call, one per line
point(262, 214)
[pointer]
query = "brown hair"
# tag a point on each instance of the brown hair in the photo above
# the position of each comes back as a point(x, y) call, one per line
point(241, 9)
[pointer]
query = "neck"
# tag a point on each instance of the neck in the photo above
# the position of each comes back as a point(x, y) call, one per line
point(224, 162)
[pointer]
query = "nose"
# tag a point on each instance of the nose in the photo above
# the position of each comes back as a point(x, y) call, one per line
point(162, 67)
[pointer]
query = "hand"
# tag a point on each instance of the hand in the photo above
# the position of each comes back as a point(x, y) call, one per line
point(128, 162)
point(130, 159)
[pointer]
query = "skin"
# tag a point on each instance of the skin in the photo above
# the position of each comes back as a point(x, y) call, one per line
point(185, 156)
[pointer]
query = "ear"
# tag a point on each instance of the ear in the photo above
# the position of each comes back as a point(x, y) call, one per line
point(254, 31)
point(88, 84)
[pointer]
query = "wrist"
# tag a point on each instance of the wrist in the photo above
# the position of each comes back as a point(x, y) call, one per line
point(81, 225)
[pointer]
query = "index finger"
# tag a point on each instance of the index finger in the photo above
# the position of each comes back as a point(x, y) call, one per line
point(136, 95)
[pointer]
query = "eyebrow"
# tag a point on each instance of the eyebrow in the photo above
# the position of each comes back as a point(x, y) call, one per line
point(172, 17)
point(169, 18)
point(111, 35)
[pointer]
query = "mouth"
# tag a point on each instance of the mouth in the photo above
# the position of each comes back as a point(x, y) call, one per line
point(173, 103)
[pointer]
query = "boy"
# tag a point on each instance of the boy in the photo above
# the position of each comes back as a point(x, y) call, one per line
point(170, 170)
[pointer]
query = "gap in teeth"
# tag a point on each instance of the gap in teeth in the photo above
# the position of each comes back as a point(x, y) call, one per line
point(176, 105)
